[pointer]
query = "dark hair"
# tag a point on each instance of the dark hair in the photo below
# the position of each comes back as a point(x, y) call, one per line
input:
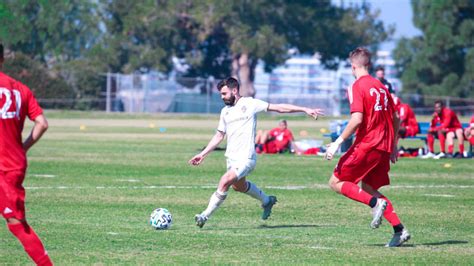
point(440, 102)
point(360, 56)
point(231, 83)
point(379, 68)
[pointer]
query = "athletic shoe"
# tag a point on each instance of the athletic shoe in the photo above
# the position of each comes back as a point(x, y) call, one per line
point(440, 155)
point(399, 238)
point(377, 213)
point(428, 155)
point(267, 209)
point(200, 220)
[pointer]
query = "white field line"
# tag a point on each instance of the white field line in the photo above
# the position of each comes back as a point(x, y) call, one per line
point(439, 195)
point(43, 175)
point(315, 186)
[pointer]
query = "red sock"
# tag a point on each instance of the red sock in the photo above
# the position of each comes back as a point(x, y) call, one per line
point(31, 243)
point(430, 139)
point(390, 213)
point(450, 149)
point(461, 148)
point(354, 192)
point(442, 140)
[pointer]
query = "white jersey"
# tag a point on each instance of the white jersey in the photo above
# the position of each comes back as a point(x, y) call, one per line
point(239, 123)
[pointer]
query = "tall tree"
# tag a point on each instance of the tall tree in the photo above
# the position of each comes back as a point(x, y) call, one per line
point(441, 61)
point(54, 31)
point(243, 32)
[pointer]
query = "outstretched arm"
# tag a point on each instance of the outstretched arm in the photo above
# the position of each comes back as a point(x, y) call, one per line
point(290, 108)
point(354, 123)
point(198, 158)
point(41, 125)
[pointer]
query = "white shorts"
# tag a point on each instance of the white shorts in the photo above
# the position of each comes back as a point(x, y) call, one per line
point(242, 168)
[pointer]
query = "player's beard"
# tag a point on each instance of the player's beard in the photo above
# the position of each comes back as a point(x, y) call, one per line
point(230, 101)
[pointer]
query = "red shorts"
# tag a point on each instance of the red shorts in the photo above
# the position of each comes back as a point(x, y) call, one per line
point(270, 147)
point(12, 194)
point(371, 167)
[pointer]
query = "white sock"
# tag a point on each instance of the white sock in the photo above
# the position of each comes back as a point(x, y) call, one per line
point(254, 192)
point(215, 201)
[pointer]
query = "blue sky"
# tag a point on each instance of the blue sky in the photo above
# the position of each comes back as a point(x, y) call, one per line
point(392, 12)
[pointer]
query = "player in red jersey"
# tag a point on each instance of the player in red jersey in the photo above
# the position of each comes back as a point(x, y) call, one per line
point(408, 123)
point(276, 140)
point(376, 120)
point(16, 103)
point(446, 126)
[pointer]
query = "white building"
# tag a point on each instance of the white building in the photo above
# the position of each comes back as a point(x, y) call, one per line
point(302, 79)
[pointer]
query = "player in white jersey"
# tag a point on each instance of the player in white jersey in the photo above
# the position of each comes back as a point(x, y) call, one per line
point(238, 121)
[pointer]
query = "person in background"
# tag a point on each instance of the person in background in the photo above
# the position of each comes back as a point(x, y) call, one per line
point(277, 140)
point(380, 74)
point(446, 126)
point(408, 123)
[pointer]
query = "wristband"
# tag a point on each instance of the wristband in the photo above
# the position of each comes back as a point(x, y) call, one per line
point(339, 140)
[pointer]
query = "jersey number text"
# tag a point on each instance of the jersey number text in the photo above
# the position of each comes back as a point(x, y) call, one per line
point(4, 113)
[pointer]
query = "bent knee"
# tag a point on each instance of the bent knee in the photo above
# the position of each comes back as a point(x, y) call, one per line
point(239, 188)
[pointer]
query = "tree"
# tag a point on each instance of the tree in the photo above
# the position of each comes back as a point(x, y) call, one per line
point(243, 32)
point(51, 31)
point(441, 61)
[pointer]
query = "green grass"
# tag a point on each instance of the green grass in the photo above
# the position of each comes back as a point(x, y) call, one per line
point(109, 177)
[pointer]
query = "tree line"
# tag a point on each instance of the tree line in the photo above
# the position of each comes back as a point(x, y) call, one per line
point(60, 48)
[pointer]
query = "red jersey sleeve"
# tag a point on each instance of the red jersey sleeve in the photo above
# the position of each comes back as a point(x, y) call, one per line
point(33, 108)
point(355, 98)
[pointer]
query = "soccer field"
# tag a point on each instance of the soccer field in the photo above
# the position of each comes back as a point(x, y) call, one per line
point(90, 193)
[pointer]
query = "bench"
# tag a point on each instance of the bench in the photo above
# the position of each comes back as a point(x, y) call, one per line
point(424, 127)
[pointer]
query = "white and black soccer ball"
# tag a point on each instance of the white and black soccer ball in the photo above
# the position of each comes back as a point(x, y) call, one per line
point(161, 219)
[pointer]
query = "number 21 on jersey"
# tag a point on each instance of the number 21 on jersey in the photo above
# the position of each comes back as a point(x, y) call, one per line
point(4, 111)
point(376, 92)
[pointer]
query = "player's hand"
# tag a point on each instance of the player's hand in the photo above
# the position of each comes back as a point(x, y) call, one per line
point(314, 113)
point(394, 156)
point(196, 160)
point(331, 150)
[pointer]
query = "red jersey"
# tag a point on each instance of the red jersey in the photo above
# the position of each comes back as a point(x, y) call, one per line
point(370, 97)
point(448, 120)
point(281, 137)
point(471, 123)
point(16, 102)
point(407, 116)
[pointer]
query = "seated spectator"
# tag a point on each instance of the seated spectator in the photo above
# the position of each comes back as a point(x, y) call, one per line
point(277, 140)
point(408, 123)
point(449, 127)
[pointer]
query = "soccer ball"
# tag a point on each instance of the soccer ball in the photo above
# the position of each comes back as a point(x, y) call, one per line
point(161, 219)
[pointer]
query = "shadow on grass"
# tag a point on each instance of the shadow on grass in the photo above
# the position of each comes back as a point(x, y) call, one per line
point(447, 242)
point(441, 243)
point(264, 226)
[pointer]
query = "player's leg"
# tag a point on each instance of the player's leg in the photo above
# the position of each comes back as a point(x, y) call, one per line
point(352, 191)
point(450, 141)
point(376, 178)
point(430, 138)
point(352, 168)
point(217, 198)
point(460, 136)
point(12, 196)
point(442, 144)
point(249, 188)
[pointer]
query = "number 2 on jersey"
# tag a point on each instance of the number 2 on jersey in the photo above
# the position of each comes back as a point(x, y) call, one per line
point(378, 106)
point(4, 113)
